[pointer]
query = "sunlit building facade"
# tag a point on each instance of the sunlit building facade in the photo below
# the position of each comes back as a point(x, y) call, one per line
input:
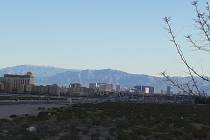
point(17, 83)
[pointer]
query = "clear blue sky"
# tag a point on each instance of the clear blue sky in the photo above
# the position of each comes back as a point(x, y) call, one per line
point(127, 35)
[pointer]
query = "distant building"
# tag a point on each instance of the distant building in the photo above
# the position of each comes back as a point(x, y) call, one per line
point(104, 87)
point(168, 90)
point(17, 83)
point(40, 89)
point(1, 87)
point(75, 85)
point(63, 90)
point(85, 91)
point(54, 89)
point(118, 88)
point(93, 85)
point(144, 89)
point(148, 89)
point(75, 88)
point(138, 89)
point(101, 87)
point(161, 91)
point(48, 89)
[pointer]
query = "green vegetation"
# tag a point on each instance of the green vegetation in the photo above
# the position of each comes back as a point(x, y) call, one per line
point(112, 121)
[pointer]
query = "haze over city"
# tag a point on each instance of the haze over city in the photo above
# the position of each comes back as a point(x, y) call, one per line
point(120, 34)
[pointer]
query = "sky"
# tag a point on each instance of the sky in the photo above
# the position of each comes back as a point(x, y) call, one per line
point(126, 35)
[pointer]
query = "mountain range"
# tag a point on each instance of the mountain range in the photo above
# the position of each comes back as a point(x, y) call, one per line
point(52, 75)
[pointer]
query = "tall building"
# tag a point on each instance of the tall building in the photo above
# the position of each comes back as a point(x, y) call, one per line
point(101, 87)
point(168, 90)
point(118, 88)
point(18, 83)
point(1, 87)
point(75, 88)
point(138, 89)
point(148, 89)
point(93, 85)
point(54, 89)
point(144, 89)
point(63, 90)
point(104, 87)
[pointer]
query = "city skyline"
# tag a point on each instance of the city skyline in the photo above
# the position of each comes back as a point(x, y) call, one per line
point(122, 35)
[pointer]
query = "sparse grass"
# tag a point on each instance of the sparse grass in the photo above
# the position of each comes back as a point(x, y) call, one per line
point(123, 121)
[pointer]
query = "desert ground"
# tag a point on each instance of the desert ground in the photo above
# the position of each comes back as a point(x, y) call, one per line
point(111, 121)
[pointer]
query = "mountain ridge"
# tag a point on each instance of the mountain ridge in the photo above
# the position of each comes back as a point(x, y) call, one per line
point(53, 75)
point(45, 75)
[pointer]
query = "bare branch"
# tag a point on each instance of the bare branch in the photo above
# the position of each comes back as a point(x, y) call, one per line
point(202, 48)
point(173, 40)
point(202, 21)
point(178, 48)
point(176, 84)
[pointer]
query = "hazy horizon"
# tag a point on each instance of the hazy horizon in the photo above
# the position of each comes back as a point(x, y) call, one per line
point(67, 68)
point(122, 35)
